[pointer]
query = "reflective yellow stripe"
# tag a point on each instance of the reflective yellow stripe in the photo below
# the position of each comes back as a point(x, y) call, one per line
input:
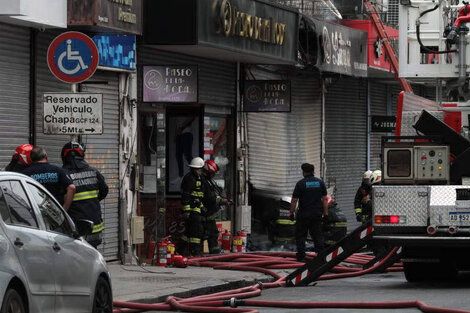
point(197, 210)
point(194, 240)
point(184, 238)
point(198, 194)
point(285, 222)
point(358, 210)
point(98, 228)
point(198, 183)
point(86, 195)
point(340, 224)
point(186, 207)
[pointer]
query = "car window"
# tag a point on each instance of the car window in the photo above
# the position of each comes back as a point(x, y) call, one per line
point(19, 208)
point(52, 214)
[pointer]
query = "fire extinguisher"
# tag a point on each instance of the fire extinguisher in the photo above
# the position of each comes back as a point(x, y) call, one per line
point(244, 238)
point(170, 251)
point(162, 254)
point(226, 239)
point(237, 244)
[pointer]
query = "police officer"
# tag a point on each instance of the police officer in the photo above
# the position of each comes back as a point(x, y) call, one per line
point(213, 202)
point(310, 193)
point(362, 200)
point(52, 177)
point(193, 191)
point(91, 188)
point(21, 159)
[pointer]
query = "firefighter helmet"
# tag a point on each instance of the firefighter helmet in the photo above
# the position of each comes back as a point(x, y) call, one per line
point(366, 177)
point(210, 166)
point(197, 162)
point(376, 177)
point(72, 146)
point(23, 154)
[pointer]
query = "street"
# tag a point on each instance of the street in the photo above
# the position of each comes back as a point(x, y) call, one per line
point(389, 287)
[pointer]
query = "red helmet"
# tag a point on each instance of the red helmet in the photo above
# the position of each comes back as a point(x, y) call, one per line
point(72, 146)
point(23, 154)
point(330, 199)
point(211, 167)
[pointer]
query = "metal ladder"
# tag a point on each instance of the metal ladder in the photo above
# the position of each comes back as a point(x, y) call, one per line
point(335, 254)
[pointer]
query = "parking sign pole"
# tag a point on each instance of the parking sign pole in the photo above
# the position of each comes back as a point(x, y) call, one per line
point(73, 88)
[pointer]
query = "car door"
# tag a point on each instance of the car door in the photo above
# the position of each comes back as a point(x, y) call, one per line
point(32, 245)
point(73, 259)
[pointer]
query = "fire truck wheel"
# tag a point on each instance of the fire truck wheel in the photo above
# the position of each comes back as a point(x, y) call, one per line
point(415, 271)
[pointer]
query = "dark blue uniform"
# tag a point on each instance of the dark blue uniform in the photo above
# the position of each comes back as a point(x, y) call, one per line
point(309, 191)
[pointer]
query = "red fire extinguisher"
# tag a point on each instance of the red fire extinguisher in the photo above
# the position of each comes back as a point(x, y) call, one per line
point(237, 244)
point(161, 254)
point(226, 239)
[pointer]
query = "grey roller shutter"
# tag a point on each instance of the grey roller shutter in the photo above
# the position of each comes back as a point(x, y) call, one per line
point(217, 80)
point(378, 106)
point(346, 139)
point(280, 142)
point(14, 89)
point(103, 153)
point(102, 150)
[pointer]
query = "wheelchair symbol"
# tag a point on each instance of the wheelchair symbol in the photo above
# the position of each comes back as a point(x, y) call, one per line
point(71, 56)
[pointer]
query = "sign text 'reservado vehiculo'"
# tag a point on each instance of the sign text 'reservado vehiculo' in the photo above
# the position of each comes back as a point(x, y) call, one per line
point(231, 22)
point(73, 113)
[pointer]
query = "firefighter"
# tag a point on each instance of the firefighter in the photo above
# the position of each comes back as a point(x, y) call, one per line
point(21, 159)
point(335, 225)
point(362, 200)
point(90, 186)
point(311, 194)
point(52, 177)
point(214, 200)
point(193, 191)
point(283, 227)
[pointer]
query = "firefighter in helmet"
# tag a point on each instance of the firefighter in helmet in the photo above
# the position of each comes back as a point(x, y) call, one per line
point(21, 159)
point(193, 191)
point(91, 188)
point(362, 200)
point(213, 202)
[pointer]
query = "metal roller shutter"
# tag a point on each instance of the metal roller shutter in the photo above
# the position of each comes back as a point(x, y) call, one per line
point(378, 106)
point(102, 150)
point(346, 140)
point(217, 80)
point(103, 153)
point(280, 142)
point(14, 89)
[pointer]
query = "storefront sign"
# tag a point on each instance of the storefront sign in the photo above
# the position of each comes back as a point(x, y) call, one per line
point(386, 124)
point(120, 15)
point(343, 50)
point(257, 30)
point(116, 51)
point(267, 96)
point(73, 113)
point(172, 83)
point(232, 22)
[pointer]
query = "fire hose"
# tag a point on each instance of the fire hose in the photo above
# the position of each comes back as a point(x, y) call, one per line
point(265, 262)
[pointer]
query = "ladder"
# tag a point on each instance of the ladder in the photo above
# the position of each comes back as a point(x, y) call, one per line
point(390, 52)
point(337, 253)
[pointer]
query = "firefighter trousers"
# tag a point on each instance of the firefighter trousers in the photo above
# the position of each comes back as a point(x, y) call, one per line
point(190, 242)
point(303, 226)
point(212, 234)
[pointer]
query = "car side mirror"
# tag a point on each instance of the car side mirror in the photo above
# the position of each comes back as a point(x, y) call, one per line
point(84, 227)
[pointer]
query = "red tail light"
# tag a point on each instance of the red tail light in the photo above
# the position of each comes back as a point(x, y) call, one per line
point(389, 219)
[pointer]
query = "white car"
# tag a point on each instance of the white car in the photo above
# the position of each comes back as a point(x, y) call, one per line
point(45, 264)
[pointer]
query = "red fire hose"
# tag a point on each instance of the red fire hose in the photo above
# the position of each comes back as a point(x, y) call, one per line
point(265, 262)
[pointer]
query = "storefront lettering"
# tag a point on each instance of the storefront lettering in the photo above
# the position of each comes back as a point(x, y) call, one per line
point(170, 83)
point(336, 48)
point(123, 2)
point(127, 17)
point(232, 22)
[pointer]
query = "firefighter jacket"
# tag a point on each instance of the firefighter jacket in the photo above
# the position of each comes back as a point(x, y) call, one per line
point(213, 198)
point(362, 203)
point(194, 193)
point(91, 188)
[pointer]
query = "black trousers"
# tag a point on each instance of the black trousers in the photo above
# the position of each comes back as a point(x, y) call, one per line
point(211, 233)
point(190, 242)
point(303, 226)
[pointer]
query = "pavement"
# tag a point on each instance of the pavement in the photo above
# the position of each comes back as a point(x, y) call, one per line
point(151, 284)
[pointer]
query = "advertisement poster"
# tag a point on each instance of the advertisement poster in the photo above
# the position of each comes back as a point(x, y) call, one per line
point(183, 146)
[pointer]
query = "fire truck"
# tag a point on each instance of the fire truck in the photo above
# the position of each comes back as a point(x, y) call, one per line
point(423, 204)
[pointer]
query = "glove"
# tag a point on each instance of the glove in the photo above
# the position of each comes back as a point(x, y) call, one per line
point(359, 217)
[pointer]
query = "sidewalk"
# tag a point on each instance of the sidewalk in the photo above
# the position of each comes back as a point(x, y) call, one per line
point(152, 284)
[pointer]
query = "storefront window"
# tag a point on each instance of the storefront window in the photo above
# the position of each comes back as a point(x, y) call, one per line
point(217, 147)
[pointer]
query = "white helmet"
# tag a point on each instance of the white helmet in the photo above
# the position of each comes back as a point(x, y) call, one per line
point(376, 177)
point(367, 175)
point(197, 162)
